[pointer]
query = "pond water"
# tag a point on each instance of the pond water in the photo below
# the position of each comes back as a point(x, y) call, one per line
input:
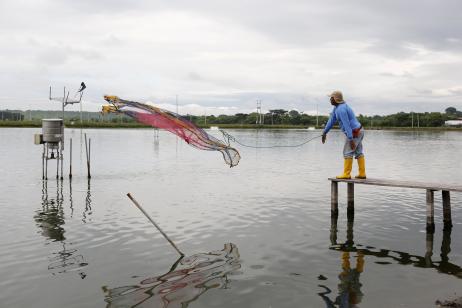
point(256, 235)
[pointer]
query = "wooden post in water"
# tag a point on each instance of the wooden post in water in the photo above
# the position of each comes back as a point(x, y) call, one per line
point(89, 157)
point(334, 199)
point(87, 152)
point(46, 163)
point(43, 162)
point(430, 211)
point(447, 220)
point(57, 162)
point(333, 229)
point(351, 199)
point(70, 159)
point(61, 158)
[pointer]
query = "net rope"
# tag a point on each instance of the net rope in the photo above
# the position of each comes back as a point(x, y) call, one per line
point(230, 138)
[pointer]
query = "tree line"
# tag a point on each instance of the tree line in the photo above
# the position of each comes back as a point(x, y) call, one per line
point(279, 117)
point(293, 117)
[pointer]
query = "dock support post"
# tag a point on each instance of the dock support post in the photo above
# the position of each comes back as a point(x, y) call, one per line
point(334, 198)
point(447, 220)
point(333, 230)
point(429, 249)
point(430, 211)
point(351, 199)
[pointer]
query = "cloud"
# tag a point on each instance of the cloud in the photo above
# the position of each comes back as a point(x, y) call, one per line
point(396, 54)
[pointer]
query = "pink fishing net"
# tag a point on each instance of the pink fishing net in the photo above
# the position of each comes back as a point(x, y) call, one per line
point(174, 123)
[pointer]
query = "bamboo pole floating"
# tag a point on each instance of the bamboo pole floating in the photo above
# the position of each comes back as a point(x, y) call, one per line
point(153, 222)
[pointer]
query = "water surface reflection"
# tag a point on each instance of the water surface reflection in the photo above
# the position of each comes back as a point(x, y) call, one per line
point(51, 220)
point(187, 279)
point(349, 287)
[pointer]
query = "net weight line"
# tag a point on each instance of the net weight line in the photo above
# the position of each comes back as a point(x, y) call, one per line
point(230, 138)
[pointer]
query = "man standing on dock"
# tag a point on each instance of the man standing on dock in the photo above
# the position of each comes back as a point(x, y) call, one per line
point(344, 115)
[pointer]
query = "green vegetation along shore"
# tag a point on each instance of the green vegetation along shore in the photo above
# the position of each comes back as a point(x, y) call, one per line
point(275, 119)
point(117, 125)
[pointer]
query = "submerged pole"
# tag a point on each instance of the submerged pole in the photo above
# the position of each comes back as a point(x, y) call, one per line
point(153, 222)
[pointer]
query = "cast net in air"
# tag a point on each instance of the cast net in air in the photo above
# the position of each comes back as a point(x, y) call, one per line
point(174, 123)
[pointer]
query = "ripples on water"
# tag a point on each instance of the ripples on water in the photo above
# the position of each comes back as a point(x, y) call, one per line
point(188, 278)
point(62, 242)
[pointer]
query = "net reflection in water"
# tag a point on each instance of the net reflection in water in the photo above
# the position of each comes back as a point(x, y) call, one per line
point(188, 278)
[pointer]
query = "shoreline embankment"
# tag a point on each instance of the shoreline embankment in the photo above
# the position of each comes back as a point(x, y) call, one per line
point(94, 124)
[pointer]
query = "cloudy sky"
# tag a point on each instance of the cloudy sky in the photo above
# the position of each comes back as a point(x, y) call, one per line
point(222, 56)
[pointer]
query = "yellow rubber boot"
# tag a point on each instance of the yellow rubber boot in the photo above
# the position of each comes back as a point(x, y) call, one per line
point(362, 168)
point(347, 165)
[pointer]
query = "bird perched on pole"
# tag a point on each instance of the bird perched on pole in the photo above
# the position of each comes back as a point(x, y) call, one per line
point(82, 87)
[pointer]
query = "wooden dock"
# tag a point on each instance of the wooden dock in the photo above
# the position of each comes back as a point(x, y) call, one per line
point(430, 188)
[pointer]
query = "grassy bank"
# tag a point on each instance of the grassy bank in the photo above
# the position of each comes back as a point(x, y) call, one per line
point(95, 124)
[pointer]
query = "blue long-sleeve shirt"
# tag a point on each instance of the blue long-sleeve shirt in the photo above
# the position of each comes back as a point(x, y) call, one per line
point(346, 118)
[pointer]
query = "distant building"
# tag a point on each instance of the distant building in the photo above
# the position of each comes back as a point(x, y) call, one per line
point(457, 122)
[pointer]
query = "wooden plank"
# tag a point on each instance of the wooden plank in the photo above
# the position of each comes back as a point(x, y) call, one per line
point(404, 184)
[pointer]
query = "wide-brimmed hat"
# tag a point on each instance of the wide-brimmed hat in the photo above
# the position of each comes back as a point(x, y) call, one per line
point(337, 95)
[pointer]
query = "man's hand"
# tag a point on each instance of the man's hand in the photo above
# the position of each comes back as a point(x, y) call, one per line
point(352, 145)
point(323, 139)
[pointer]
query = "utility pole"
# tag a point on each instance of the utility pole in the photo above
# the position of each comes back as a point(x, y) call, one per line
point(205, 117)
point(259, 115)
point(176, 101)
point(418, 122)
point(81, 121)
point(317, 116)
point(64, 101)
point(412, 119)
